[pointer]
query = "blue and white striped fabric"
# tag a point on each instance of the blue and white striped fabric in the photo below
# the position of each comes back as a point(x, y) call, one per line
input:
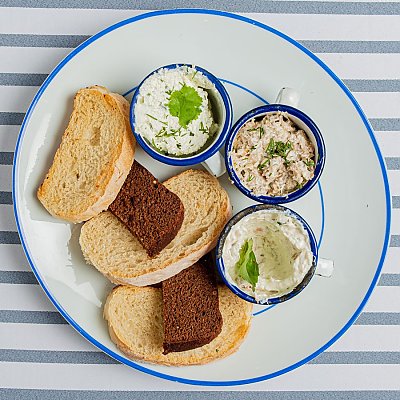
point(40, 354)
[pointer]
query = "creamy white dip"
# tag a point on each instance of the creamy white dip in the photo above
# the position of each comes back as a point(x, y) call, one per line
point(273, 156)
point(282, 250)
point(153, 119)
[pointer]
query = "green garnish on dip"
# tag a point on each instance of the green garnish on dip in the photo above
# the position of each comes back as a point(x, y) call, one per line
point(247, 266)
point(309, 163)
point(185, 104)
point(278, 149)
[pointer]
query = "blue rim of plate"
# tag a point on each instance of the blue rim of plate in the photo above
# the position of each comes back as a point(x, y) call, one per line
point(244, 213)
point(258, 112)
point(209, 151)
point(327, 70)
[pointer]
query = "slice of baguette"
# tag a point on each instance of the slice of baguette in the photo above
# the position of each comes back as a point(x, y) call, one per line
point(94, 157)
point(108, 245)
point(135, 323)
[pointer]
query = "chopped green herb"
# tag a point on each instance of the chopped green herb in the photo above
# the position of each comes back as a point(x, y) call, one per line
point(250, 178)
point(252, 130)
point(162, 132)
point(309, 163)
point(195, 72)
point(169, 92)
point(247, 265)
point(299, 185)
point(263, 164)
point(279, 223)
point(191, 134)
point(185, 104)
point(156, 119)
point(202, 128)
point(278, 149)
point(261, 132)
point(253, 148)
point(156, 147)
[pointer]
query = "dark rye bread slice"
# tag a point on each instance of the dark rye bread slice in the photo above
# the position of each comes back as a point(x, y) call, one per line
point(190, 309)
point(148, 209)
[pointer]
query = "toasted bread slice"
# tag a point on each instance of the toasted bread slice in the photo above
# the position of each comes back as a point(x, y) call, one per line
point(94, 157)
point(108, 245)
point(135, 323)
point(148, 209)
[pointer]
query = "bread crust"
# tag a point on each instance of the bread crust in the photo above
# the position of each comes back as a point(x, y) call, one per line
point(179, 360)
point(115, 178)
point(171, 267)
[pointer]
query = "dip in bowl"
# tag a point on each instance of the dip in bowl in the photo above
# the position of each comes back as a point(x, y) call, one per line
point(275, 154)
point(267, 254)
point(181, 114)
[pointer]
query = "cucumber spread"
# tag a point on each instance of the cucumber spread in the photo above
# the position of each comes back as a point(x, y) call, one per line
point(267, 254)
point(173, 111)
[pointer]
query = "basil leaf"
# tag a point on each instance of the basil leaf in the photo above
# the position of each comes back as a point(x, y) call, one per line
point(247, 265)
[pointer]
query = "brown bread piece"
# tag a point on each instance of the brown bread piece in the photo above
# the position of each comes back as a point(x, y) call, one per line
point(190, 309)
point(148, 209)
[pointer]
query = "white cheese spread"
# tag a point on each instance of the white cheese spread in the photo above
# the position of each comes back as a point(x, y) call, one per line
point(282, 251)
point(190, 125)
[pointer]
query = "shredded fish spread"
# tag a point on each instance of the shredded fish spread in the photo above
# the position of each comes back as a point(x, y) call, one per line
point(272, 156)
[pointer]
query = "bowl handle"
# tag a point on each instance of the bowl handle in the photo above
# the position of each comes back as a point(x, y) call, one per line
point(324, 267)
point(288, 96)
point(215, 165)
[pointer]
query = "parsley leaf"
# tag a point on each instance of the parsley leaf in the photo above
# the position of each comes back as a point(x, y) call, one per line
point(309, 163)
point(185, 104)
point(247, 265)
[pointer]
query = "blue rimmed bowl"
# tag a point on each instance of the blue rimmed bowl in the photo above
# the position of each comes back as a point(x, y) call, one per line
point(233, 221)
point(301, 120)
point(222, 112)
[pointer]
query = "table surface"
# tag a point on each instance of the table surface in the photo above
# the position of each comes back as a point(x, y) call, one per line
point(40, 353)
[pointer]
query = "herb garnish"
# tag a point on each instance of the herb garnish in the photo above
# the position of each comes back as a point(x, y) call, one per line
point(156, 119)
point(278, 148)
point(263, 164)
point(164, 133)
point(299, 185)
point(156, 147)
point(250, 178)
point(185, 104)
point(202, 128)
point(309, 163)
point(260, 129)
point(247, 265)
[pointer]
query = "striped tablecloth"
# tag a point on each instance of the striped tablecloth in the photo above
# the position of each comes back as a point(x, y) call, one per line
point(40, 353)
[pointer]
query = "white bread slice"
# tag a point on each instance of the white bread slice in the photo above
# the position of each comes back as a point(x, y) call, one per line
point(135, 324)
point(108, 245)
point(94, 157)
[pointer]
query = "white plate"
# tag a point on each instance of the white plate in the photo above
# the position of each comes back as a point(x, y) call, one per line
point(349, 211)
